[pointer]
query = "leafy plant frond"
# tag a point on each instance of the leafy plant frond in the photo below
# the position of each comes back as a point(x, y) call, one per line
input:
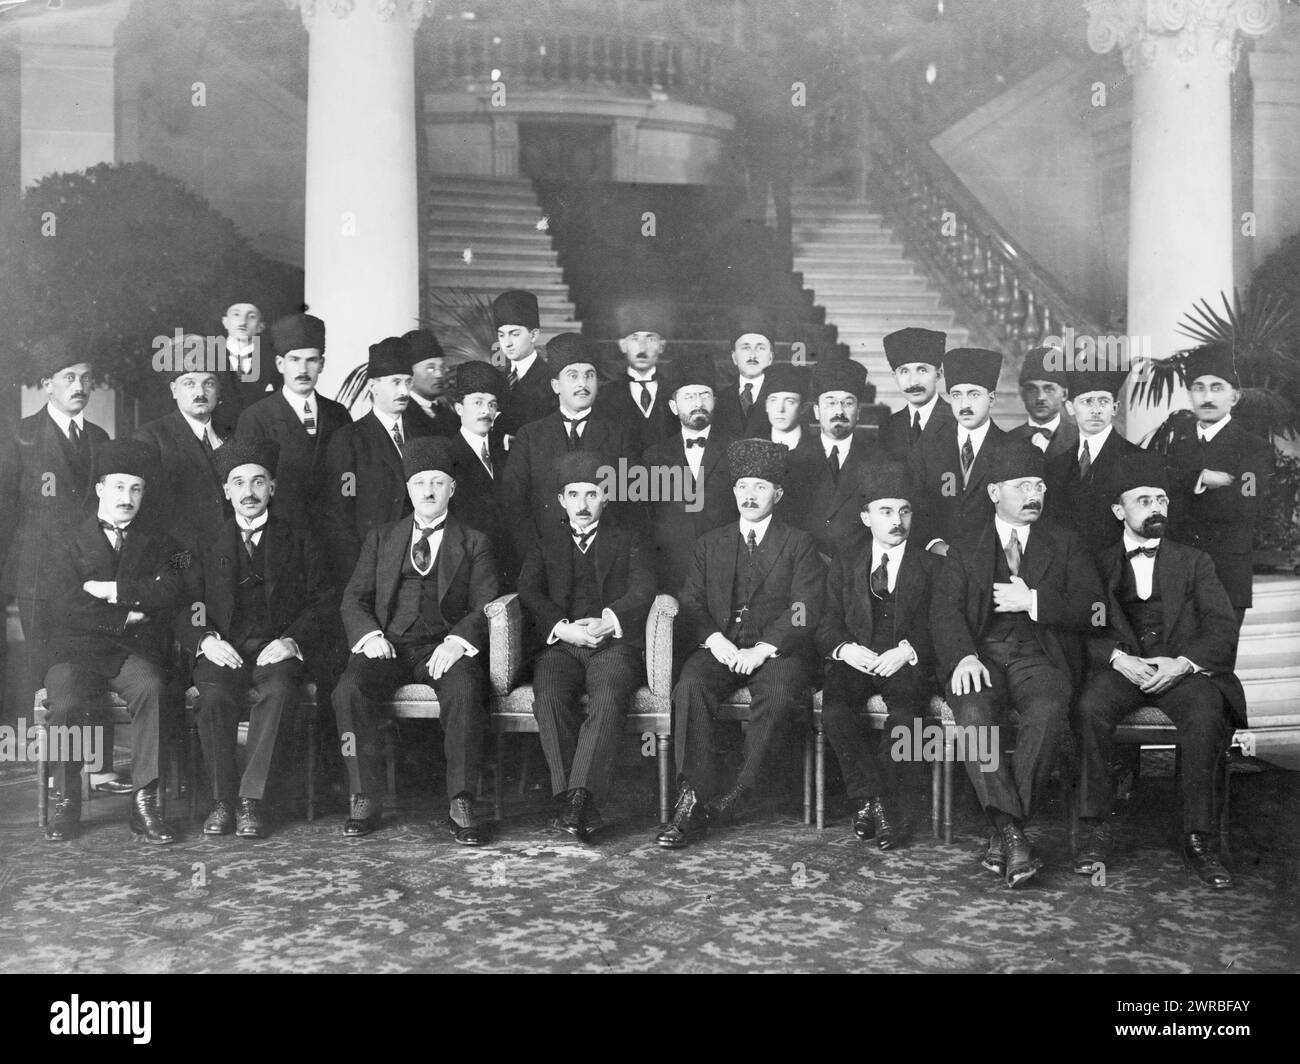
point(353, 386)
point(463, 323)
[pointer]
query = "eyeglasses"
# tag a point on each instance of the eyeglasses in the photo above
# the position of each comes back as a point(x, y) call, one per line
point(1095, 402)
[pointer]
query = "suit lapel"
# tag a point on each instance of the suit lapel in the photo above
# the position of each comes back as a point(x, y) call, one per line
point(773, 544)
point(714, 451)
point(93, 544)
point(982, 572)
point(720, 590)
point(1166, 580)
point(388, 567)
point(907, 587)
point(1114, 576)
point(450, 555)
point(56, 458)
point(383, 443)
point(606, 552)
point(221, 597)
point(861, 590)
point(275, 555)
point(1038, 555)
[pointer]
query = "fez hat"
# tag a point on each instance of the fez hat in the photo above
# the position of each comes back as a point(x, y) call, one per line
point(516, 308)
point(1013, 459)
point(915, 345)
point(296, 332)
point(245, 451)
point(421, 345)
point(171, 357)
point(53, 353)
point(784, 377)
point(836, 373)
point(131, 457)
point(579, 467)
point(695, 370)
point(1081, 382)
point(476, 376)
point(972, 365)
point(1211, 360)
point(568, 349)
point(886, 478)
point(425, 453)
point(757, 458)
point(643, 315)
point(1141, 469)
point(1045, 364)
point(390, 357)
point(751, 319)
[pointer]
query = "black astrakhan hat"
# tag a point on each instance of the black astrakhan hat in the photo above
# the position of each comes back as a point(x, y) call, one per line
point(579, 467)
point(53, 353)
point(421, 344)
point(244, 451)
point(972, 365)
point(783, 377)
point(751, 319)
point(296, 332)
point(131, 457)
point(390, 357)
point(425, 453)
point(1145, 469)
point(836, 373)
point(474, 377)
point(698, 371)
point(567, 349)
point(516, 308)
point(1081, 382)
point(1013, 459)
point(1212, 360)
point(757, 458)
point(1045, 364)
point(643, 315)
point(887, 478)
point(915, 345)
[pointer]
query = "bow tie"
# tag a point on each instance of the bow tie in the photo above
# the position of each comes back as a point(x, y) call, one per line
point(1146, 552)
point(108, 526)
point(1039, 430)
point(696, 441)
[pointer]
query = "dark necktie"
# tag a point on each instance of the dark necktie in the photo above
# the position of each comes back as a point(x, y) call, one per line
point(574, 427)
point(512, 379)
point(967, 458)
point(308, 419)
point(397, 436)
point(486, 455)
point(1013, 553)
point(696, 441)
point(76, 437)
point(1085, 461)
point(207, 443)
point(117, 533)
point(1146, 552)
point(746, 399)
point(248, 534)
point(420, 553)
point(833, 464)
point(582, 539)
point(751, 544)
point(916, 425)
point(880, 577)
point(646, 400)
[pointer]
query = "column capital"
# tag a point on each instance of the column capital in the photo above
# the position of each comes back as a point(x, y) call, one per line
point(410, 11)
point(1137, 26)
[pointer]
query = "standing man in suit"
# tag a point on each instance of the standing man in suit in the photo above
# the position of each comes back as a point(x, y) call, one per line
point(528, 381)
point(1219, 476)
point(480, 462)
point(587, 590)
point(1044, 387)
point(430, 411)
point(786, 387)
point(413, 612)
point(639, 400)
point(1081, 480)
point(245, 379)
point(46, 486)
point(875, 631)
point(751, 603)
point(699, 451)
point(1007, 613)
point(114, 588)
point(951, 463)
point(1167, 643)
point(828, 467)
point(528, 488)
point(363, 462)
point(915, 356)
point(187, 502)
point(265, 593)
point(742, 404)
point(298, 418)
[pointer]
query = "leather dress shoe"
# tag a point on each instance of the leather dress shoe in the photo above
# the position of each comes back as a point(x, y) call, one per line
point(689, 821)
point(251, 823)
point(1094, 849)
point(889, 829)
point(463, 824)
point(726, 809)
point(576, 817)
point(221, 820)
point(146, 821)
point(1022, 863)
point(864, 826)
point(117, 785)
point(65, 817)
point(364, 816)
point(995, 857)
point(1200, 857)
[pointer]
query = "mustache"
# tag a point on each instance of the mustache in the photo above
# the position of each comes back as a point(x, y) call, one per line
point(248, 501)
point(302, 377)
point(916, 389)
point(966, 412)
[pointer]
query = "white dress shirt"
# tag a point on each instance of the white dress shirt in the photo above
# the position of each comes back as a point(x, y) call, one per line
point(201, 429)
point(976, 437)
point(634, 389)
point(65, 423)
point(1095, 443)
point(298, 402)
point(757, 383)
point(840, 446)
point(789, 439)
point(522, 367)
point(895, 562)
point(389, 421)
point(606, 614)
point(695, 455)
point(1036, 438)
point(1204, 434)
point(926, 410)
point(476, 444)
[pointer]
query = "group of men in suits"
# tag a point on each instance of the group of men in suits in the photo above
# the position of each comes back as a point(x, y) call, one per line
point(944, 556)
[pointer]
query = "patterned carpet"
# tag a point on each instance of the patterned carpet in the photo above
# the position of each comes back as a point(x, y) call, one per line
point(768, 896)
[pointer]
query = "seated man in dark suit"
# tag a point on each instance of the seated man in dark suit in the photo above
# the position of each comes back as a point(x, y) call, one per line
point(1007, 611)
point(413, 612)
point(430, 411)
point(264, 592)
point(751, 603)
point(1219, 476)
point(187, 503)
point(527, 486)
point(915, 356)
point(876, 632)
point(1044, 387)
point(115, 587)
point(1167, 643)
point(697, 453)
point(587, 590)
point(480, 462)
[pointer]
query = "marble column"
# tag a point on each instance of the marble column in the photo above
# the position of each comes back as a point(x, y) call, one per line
point(1180, 54)
point(361, 246)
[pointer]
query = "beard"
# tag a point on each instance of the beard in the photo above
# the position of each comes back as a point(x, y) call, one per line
point(1154, 526)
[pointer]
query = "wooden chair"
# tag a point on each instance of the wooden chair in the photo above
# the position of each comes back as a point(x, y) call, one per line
point(877, 718)
point(306, 706)
point(512, 702)
point(736, 708)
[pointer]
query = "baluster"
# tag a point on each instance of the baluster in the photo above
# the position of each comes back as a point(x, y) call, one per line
point(989, 287)
point(1002, 301)
point(975, 274)
point(1032, 330)
point(1016, 317)
point(600, 70)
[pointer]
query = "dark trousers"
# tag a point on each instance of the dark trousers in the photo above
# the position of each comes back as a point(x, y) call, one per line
point(31, 665)
point(580, 752)
point(776, 688)
point(462, 698)
point(222, 698)
point(72, 688)
point(865, 762)
point(1198, 711)
point(1024, 681)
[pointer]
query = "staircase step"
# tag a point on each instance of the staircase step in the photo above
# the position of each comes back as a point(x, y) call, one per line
point(518, 218)
point(506, 186)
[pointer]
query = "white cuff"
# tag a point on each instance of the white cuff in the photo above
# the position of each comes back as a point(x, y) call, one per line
point(366, 639)
point(836, 654)
point(771, 650)
point(1195, 668)
point(608, 615)
point(470, 649)
point(708, 643)
point(553, 638)
point(1200, 483)
point(1033, 605)
point(912, 649)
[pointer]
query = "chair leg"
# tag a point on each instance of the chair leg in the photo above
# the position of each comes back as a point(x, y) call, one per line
point(311, 765)
point(662, 754)
point(949, 756)
point(390, 755)
point(42, 780)
point(193, 751)
point(807, 776)
point(819, 779)
point(1225, 809)
point(936, 797)
point(525, 756)
point(498, 780)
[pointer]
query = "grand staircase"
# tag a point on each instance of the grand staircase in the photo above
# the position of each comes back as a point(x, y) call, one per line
point(484, 236)
point(1268, 665)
